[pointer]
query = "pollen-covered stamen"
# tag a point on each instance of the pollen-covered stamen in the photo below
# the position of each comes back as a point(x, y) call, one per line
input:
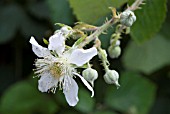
point(41, 66)
point(56, 70)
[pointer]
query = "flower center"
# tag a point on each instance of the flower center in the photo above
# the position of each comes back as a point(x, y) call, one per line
point(56, 70)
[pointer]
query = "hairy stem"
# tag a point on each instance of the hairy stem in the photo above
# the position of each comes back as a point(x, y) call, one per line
point(109, 23)
point(99, 31)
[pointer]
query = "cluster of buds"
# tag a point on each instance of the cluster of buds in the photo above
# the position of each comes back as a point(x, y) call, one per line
point(57, 64)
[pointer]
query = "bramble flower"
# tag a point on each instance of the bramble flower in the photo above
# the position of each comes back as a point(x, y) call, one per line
point(57, 65)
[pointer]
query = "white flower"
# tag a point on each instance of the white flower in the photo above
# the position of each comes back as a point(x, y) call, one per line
point(56, 68)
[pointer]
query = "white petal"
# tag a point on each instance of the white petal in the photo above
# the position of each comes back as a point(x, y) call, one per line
point(39, 50)
point(46, 82)
point(71, 93)
point(81, 56)
point(56, 43)
point(85, 83)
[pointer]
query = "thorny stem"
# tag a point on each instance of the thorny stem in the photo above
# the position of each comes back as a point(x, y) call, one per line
point(104, 59)
point(118, 33)
point(99, 31)
point(135, 5)
point(108, 24)
point(102, 55)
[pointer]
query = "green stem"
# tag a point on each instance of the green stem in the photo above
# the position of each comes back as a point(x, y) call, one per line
point(118, 34)
point(136, 5)
point(104, 59)
point(99, 31)
point(109, 23)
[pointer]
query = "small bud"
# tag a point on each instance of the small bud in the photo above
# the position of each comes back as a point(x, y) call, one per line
point(90, 75)
point(111, 77)
point(66, 30)
point(127, 18)
point(114, 51)
point(102, 54)
point(117, 42)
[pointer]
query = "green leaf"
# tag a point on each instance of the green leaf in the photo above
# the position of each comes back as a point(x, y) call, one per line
point(166, 25)
point(90, 11)
point(60, 11)
point(104, 112)
point(105, 38)
point(135, 96)
point(149, 20)
point(149, 57)
point(22, 98)
point(14, 18)
point(86, 103)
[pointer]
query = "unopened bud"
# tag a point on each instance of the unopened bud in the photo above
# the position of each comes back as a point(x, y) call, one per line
point(111, 77)
point(66, 30)
point(90, 75)
point(117, 42)
point(114, 51)
point(127, 18)
point(102, 54)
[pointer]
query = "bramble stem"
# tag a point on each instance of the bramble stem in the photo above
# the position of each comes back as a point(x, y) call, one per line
point(108, 24)
point(99, 31)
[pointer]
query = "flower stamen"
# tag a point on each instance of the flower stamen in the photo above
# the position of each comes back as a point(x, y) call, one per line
point(56, 70)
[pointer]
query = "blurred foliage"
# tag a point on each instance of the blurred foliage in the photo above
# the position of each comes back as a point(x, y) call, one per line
point(133, 97)
point(144, 69)
point(149, 20)
point(151, 57)
point(90, 11)
point(61, 12)
point(26, 100)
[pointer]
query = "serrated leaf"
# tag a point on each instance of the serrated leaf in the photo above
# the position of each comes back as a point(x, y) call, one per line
point(60, 11)
point(90, 11)
point(135, 96)
point(149, 57)
point(22, 98)
point(149, 20)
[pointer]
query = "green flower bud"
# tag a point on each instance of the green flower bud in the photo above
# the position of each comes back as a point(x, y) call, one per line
point(114, 52)
point(102, 54)
point(111, 77)
point(117, 42)
point(127, 18)
point(90, 75)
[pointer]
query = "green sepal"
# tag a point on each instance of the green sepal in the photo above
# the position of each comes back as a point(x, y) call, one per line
point(60, 24)
point(80, 40)
point(84, 26)
point(45, 41)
